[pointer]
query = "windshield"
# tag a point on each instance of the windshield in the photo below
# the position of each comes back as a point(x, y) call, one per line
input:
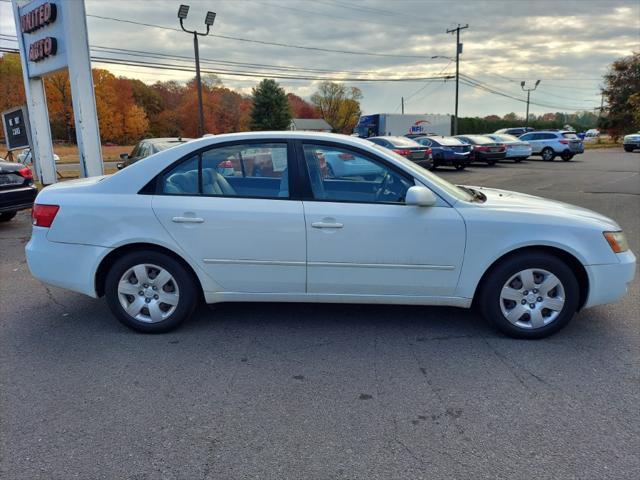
point(160, 146)
point(448, 141)
point(402, 142)
point(504, 138)
point(448, 187)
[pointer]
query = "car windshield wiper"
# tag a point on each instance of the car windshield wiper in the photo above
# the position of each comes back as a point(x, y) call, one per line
point(478, 196)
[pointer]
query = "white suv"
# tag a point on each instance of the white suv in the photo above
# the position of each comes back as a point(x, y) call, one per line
point(552, 143)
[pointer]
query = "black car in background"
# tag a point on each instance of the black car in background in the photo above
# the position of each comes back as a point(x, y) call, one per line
point(406, 147)
point(147, 147)
point(484, 149)
point(17, 191)
point(516, 131)
point(447, 151)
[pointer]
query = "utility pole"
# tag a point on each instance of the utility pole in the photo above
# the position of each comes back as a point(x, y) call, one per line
point(183, 11)
point(402, 104)
point(458, 52)
point(528, 90)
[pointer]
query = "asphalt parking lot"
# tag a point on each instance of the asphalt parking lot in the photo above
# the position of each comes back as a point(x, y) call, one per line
point(276, 391)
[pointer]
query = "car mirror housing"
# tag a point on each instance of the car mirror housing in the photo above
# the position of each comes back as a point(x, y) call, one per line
point(420, 197)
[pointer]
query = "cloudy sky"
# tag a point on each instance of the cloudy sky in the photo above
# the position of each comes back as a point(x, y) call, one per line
point(566, 44)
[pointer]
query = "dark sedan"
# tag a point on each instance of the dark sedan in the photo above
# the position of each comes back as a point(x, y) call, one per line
point(17, 191)
point(447, 151)
point(484, 149)
point(409, 149)
point(147, 147)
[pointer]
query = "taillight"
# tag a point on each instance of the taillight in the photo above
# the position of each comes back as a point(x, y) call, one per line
point(564, 142)
point(428, 152)
point(26, 173)
point(402, 151)
point(481, 148)
point(43, 215)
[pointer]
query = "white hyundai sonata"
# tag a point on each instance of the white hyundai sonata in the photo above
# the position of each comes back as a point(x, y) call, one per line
point(259, 217)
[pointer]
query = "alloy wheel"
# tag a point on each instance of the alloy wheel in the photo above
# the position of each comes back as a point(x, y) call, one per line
point(532, 298)
point(148, 293)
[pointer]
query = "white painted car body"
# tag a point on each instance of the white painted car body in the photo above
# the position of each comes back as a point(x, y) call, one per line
point(248, 249)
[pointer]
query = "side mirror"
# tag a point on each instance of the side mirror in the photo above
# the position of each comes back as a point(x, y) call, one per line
point(124, 156)
point(420, 197)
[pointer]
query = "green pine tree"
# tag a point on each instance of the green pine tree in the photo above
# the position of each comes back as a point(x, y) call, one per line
point(270, 110)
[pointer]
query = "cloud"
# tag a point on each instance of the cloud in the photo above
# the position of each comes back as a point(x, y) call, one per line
point(567, 44)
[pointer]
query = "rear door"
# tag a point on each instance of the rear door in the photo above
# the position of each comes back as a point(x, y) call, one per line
point(230, 209)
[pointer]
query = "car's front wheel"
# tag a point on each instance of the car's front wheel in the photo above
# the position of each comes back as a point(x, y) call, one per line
point(548, 154)
point(566, 156)
point(628, 149)
point(531, 295)
point(460, 166)
point(6, 216)
point(150, 291)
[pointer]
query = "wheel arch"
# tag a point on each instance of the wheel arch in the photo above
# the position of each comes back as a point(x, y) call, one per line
point(571, 260)
point(111, 257)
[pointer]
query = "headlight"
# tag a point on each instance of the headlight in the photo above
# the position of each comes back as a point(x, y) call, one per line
point(617, 241)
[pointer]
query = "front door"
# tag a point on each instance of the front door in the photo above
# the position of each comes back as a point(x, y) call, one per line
point(228, 208)
point(363, 240)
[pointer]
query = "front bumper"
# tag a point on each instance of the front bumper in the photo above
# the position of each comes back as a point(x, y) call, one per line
point(66, 265)
point(632, 144)
point(608, 283)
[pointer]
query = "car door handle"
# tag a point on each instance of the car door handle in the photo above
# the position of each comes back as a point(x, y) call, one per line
point(187, 220)
point(326, 225)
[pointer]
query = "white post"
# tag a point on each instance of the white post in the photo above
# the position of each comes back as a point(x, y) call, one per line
point(81, 80)
point(42, 146)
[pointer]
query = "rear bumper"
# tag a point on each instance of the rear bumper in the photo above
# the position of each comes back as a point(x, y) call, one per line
point(608, 283)
point(17, 199)
point(488, 157)
point(65, 265)
point(452, 158)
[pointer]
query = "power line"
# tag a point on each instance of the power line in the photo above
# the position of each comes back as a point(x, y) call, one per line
point(185, 68)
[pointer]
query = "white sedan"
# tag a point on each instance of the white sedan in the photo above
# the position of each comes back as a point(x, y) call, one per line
point(257, 217)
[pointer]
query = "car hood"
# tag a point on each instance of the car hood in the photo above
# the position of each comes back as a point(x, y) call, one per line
point(514, 202)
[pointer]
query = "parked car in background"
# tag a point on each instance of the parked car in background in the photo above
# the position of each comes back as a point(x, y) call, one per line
point(552, 143)
point(631, 142)
point(516, 132)
point(517, 149)
point(447, 151)
point(148, 147)
point(590, 135)
point(406, 147)
point(25, 157)
point(159, 236)
point(484, 149)
point(346, 165)
point(17, 191)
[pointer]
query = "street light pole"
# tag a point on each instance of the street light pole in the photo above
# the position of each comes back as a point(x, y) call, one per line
point(458, 52)
point(528, 90)
point(183, 11)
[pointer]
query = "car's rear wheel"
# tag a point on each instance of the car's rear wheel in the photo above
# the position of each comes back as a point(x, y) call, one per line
point(518, 160)
point(150, 292)
point(548, 154)
point(628, 149)
point(460, 166)
point(567, 156)
point(531, 295)
point(6, 216)
point(491, 163)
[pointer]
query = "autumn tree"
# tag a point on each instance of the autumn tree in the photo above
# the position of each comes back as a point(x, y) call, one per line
point(270, 109)
point(300, 108)
point(339, 105)
point(11, 84)
point(621, 91)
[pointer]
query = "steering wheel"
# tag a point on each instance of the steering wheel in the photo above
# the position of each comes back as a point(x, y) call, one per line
point(383, 185)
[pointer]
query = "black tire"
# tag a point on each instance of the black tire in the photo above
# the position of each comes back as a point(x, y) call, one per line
point(628, 149)
point(187, 299)
point(460, 166)
point(518, 160)
point(548, 154)
point(491, 163)
point(567, 156)
point(490, 301)
point(6, 216)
